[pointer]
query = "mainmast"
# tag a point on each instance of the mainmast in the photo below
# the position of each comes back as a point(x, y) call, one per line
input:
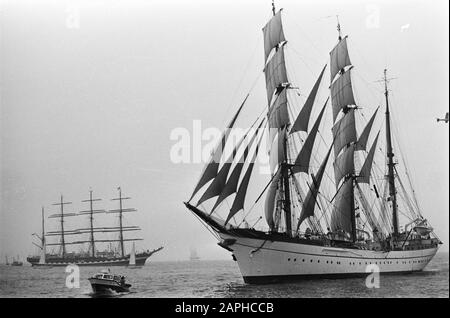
point(352, 176)
point(391, 164)
point(345, 138)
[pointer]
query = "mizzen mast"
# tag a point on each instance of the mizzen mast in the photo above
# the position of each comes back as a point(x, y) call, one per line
point(390, 156)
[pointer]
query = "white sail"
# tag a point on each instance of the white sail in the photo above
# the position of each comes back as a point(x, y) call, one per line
point(239, 200)
point(302, 121)
point(218, 184)
point(342, 211)
point(132, 256)
point(344, 132)
point(232, 182)
point(339, 58)
point(368, 212)
point(303, 159)
point(269, 207)
point(278, 112)
point(211, 169)
point(342, 93)
point(364, 175)
point(344, 164)
point(309, 203)
point(277, 153)
point(275, 72)
point(362, 141)
point(273, 34)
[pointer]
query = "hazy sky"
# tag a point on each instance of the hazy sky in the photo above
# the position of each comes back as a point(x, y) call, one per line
point(91, 90)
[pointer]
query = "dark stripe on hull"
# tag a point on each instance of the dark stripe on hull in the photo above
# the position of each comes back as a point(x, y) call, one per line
point(97, 288)
point(125, 262)
point(295, 278)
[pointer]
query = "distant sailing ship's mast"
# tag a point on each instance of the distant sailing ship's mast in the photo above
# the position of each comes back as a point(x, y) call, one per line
point(391, 164)
point(91, 213)
point(121, 210)
point(43, 233)
point(61, 219)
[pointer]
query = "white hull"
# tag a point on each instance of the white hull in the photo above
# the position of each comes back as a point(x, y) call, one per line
point(265, 261)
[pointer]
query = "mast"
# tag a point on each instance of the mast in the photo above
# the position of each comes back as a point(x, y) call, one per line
point(121, 210)
point(277, 83)
point(339, 28)
point(61, 220)
point(287, 194)
point(91, 213)
point(343, 217)
point(43, 229)
point(390, 155)
point(352, 208)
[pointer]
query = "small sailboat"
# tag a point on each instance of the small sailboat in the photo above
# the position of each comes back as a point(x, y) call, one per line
point(132, 263)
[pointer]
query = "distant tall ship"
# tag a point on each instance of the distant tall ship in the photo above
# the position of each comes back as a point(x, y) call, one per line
point(194, 256)
point(323, 220)
point(91, 256)
point(15, 262)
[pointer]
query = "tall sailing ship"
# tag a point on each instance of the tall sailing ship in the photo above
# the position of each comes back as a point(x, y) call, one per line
point(91, 256)
point(324, 218)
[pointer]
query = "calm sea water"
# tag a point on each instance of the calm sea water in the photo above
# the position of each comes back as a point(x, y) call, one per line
point(219, 279)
